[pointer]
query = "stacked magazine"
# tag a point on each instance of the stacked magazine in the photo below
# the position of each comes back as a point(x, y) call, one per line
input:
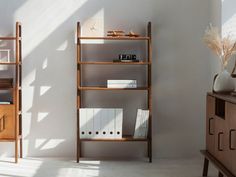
point(121, 83)
point(141, 126)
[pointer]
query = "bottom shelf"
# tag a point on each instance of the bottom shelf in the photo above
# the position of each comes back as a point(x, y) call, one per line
point(124, 138)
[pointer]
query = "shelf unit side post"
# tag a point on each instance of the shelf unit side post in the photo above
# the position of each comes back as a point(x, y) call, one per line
point(78, 90)
point(16, 91)
point(19, 65)
point(149, 28)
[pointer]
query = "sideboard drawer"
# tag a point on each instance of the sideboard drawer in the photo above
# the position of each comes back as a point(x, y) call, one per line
point(210, 125)
point(7, 122)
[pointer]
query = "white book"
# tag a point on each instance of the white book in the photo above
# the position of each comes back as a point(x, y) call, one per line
point(122, 85)
point(141, 126)
point(137, 131)
point(104, 123)
point(82, 122)
point(145, 115)
point(118, 123)
point(89, 122)
point(121, 81)
point(111, 123)
point(97, 115)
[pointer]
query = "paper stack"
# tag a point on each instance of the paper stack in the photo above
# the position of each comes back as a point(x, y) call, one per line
point(121, 83)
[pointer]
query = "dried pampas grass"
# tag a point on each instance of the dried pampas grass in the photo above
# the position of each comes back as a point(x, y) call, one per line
point(224, 48)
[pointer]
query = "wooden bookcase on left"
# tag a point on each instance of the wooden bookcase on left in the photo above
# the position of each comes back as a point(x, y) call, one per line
point(11, 113)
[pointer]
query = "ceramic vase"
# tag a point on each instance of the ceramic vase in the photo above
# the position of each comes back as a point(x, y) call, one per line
point(223, 82)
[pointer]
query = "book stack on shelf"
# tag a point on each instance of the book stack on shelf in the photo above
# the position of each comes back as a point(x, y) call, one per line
point(121, 83)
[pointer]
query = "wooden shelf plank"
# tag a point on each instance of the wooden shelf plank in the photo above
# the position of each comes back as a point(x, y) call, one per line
point(8, 38)
point(112, 63)
point(10, 139)
point(105, 88)
point(217, 163)
point(114, 38)
point(125, 138)
point(9, 63)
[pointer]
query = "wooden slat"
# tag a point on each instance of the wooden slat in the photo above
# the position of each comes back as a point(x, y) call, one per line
point(105, 88)
point(114, 38)
point(79, 96)
point(10, 139)
point(217, 163)
point(113, 63)
point(125, 138)
point(149, 30)
point(8, 38)
point(8, 63)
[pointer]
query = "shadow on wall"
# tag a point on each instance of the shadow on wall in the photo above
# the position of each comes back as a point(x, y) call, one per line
point(49, 82)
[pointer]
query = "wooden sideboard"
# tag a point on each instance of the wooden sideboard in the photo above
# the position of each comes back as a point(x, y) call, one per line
point(221, 134)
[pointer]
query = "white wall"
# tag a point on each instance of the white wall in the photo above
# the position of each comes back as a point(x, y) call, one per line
point(181, 74)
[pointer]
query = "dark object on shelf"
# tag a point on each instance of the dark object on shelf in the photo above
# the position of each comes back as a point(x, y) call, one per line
point(127, 57)
point(6, 83)
point(118, 60)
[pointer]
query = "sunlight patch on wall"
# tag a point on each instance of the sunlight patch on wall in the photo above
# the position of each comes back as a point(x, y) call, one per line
point(44, 89)
point(45, 63)
point(63, 46)
point(229, 27)
point(39, 142)
point(52, 143)
point(42, 115)
point(43, 20)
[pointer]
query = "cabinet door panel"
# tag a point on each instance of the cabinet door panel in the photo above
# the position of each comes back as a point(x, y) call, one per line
point(222, 152)
point(7, 122)
point(210, 125)
point(231, 113)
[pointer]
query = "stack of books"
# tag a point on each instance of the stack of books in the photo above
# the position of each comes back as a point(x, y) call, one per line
point(6, 83)
point(121, 83)
point(141, 126)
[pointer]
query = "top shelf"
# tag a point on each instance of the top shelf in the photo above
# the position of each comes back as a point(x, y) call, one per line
point(115, 38)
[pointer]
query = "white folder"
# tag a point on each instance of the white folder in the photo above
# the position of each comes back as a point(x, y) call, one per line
point(118, 123)
point(141, 126)
point(89, 122)
point(104, 123)
point(97, 115)
point(82, 122)
point(137, 132)
point(111, 123)
point(145, 124)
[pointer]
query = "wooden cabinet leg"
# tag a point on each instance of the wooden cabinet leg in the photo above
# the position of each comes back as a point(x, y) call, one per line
point(205, 168)
point(220, 174)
